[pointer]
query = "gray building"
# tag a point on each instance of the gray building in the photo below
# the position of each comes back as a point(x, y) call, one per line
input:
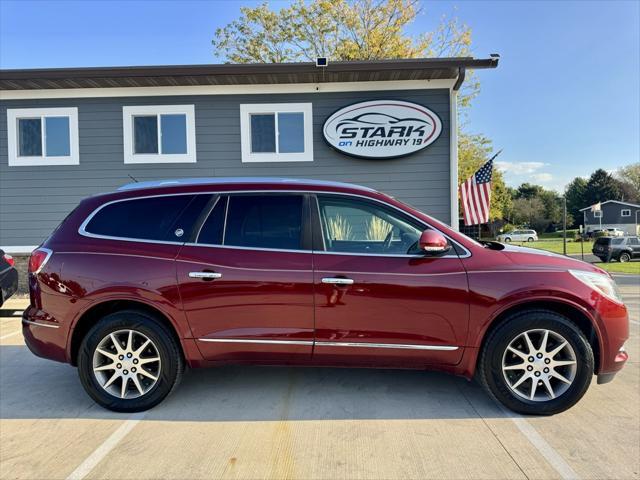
point(69, 133)
point(613, 214)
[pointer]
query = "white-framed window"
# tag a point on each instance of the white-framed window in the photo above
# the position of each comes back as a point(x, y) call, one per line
point(597, 214)
point(625, 212)
point(159, 134)
point(276, 132)
point(42, 136)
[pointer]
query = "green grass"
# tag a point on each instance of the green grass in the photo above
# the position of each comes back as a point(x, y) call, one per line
point(617, 267)
point(556, 246)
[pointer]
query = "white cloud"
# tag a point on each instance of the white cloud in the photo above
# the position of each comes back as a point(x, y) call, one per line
point(520, 168)
point(542, 177)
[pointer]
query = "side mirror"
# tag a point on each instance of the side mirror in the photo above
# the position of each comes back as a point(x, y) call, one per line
point(433, 243)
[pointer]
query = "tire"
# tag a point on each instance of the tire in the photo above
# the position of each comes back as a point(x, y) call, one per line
point(530, 239)
point(167, 371)
point(495, 354)
point(624, 257)
point(507, 239)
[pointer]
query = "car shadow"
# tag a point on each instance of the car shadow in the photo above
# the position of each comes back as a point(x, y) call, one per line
point(33, 388)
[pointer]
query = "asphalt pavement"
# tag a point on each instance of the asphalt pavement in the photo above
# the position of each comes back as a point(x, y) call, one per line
point(315, 423)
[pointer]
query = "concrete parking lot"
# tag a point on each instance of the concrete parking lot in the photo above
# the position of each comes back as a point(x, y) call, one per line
point(247, 423)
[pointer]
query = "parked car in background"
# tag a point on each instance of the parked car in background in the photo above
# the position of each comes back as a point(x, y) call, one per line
point(615, 232)
point(8, 276)
point(622, 249)
point(138, 283)
point(518, 236)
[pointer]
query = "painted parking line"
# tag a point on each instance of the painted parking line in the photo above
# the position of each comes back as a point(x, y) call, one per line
point(13, 334)
point(105, 448)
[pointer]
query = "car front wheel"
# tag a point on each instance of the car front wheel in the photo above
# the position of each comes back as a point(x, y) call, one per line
point(129, 362)
point(507, 239)
point(536, 362)
point(625, 257)
point(530, 239)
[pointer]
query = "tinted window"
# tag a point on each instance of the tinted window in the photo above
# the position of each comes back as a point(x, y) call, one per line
point(603, 241)
point(617, 241)
point(211, 231)
point(633, 241)
point(358, 226)
point(264, 221)
point(144, 218)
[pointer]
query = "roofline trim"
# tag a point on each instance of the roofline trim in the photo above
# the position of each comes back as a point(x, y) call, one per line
point(286, 88)
point(248, 68)
point(612, 201)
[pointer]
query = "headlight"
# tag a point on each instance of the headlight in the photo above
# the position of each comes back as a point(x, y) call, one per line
point(602, 283)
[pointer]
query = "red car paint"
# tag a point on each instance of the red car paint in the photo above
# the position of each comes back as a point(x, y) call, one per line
point(447, 304)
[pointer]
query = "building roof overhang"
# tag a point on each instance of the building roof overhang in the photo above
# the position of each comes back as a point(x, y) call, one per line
point(244, 74)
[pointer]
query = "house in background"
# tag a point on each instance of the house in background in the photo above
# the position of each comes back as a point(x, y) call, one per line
point(613, 214)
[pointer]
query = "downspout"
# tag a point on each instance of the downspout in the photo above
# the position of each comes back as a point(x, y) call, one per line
point(453, 148)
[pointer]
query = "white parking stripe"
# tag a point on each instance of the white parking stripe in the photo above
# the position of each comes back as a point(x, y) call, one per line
point(547, 451)
point(103, 450)
point(10, 335)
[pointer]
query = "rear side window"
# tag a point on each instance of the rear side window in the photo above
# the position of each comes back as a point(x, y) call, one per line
point(603, 241)
point(264, 221)
point(617, 241)
point(143, 218)
point(213, 227)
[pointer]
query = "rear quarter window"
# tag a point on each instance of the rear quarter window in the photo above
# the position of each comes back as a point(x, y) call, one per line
point(603, 241)
point(142, 218)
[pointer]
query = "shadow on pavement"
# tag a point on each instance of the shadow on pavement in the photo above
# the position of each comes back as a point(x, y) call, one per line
point(32, 388)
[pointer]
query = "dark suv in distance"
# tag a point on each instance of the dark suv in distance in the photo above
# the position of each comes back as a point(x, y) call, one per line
point(623, 249)
point(136, 284)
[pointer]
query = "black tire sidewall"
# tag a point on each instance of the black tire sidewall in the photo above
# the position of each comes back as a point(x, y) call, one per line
point(168, 350)
point(624, 257)
point(491, 361)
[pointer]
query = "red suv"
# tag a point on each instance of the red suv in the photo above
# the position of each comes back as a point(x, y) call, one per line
point(136, 284)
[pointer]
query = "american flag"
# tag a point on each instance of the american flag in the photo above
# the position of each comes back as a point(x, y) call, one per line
point(476, 195)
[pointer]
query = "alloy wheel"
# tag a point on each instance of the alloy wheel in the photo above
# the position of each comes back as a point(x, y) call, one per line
point(539, 365)
point(625, 257)
point(126, 364)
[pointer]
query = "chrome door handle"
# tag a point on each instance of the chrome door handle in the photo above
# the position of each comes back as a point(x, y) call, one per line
point(205, 275)
point(337, 281)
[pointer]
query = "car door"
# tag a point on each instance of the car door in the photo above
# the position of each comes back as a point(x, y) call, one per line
point(378, 300)
point(634, 244)
point(246, 279)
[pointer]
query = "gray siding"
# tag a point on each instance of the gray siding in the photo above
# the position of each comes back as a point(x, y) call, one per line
point(33, 200)
point(612, 214)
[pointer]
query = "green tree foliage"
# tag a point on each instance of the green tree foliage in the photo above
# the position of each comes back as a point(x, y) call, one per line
point(629, 178)
point(530, 212)
point(537, 207)
point(602, 187)
point(341, 30)
point(576, 193)
point(473, 151)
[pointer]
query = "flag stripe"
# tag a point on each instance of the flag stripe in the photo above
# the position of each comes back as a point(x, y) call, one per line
point(475, 194)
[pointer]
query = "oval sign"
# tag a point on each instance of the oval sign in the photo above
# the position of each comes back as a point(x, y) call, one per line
point(382, 129)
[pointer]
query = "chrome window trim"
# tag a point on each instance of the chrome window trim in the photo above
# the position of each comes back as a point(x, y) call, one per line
point(400, 346)
point(82, 229)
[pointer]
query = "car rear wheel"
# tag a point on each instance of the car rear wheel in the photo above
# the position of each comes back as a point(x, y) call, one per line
point(507, 239)
point(536, 362)
point(530, 239)
point(129, 362)
point(625, 257)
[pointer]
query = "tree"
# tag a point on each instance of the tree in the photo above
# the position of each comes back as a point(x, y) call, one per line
point(629, 178)
point(473, 151)
point(341, 30)
point(528, 190)
point(601, 187)
point(530, 212)
point(576, 193)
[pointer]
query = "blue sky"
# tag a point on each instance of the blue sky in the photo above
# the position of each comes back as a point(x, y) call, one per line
point(564, 101)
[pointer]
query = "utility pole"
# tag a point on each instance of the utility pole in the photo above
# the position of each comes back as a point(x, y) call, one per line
point(564, 224)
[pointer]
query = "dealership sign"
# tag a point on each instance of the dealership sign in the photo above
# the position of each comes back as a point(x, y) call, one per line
point(382, 129)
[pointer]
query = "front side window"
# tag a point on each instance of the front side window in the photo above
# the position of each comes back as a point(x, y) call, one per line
point(276, 132)
point(360, 226)
point(264, 221)
point(159, 134)
point(151, 218)
point(43, 136)
point(633, 241)
point(626, 212)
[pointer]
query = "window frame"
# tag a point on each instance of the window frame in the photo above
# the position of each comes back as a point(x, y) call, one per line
point(597, 214)
point(248, 109)
point(15, 114)
point(128, 114)
point(625, 210)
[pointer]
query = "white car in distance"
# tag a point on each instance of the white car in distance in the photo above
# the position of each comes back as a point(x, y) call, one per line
point(518, 236)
